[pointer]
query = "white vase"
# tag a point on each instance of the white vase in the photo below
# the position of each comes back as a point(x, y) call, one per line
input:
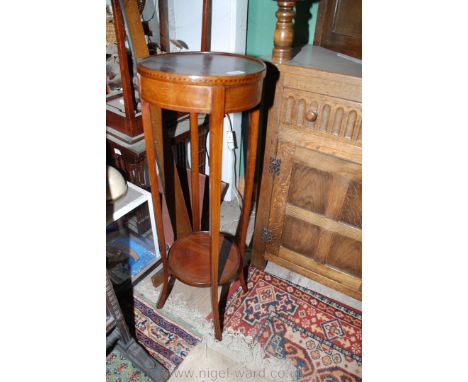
point(116, 184)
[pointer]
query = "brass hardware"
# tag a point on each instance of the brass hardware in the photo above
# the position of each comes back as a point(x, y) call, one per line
point(275, 166)
point(266, 235)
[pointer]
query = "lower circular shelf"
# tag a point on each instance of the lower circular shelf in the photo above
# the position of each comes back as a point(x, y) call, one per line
point(189, 259)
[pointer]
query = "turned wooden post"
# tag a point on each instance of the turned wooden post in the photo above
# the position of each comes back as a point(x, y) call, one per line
point(284, 31)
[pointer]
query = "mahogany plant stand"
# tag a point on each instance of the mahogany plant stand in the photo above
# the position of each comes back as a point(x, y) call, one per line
point(214, 84)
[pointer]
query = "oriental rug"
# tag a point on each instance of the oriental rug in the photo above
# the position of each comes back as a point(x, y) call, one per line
point(120, 369)
point(321, 336)
point(165, 340)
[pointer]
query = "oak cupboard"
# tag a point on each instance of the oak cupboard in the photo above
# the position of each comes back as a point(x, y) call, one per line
point(309, 209)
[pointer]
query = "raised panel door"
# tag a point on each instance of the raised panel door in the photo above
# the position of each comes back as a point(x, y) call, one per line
point(339, 26)
point(315, 216)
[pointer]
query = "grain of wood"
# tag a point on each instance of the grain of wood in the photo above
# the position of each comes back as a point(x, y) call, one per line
point(324, 222)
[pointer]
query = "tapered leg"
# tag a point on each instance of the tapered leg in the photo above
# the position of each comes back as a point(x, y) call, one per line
point(175, 202)
point(151, 156)
point(249, 182)
point(166, 290)
point(223, 296)
point(195, 167)
point(163, 296)
point(242, 276)
point(216, 151)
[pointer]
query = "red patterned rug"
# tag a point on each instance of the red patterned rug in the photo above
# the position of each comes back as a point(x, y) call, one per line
point(321, 336)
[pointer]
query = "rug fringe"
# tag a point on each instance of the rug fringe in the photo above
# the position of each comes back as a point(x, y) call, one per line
point(236, 346)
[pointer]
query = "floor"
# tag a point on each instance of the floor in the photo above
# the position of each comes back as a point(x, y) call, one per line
point(211, 356)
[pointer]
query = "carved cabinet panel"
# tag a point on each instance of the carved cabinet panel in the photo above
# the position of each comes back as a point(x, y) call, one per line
point(339, 26)
point(315, 216)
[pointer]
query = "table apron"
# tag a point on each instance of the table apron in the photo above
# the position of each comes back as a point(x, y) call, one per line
point(198, 99)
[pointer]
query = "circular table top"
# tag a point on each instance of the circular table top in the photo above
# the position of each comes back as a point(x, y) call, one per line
point(202, 64)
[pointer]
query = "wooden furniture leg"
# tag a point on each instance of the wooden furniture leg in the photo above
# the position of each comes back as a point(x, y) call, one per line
point(247, 202)
point(216, 152)
point(170, 176)
point(195, 168)
point(150, 154)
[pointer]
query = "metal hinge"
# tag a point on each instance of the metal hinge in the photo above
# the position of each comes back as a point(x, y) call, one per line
point(275, 166)
point(266, 235)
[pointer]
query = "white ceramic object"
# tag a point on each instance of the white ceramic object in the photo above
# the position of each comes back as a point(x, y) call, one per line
point(116, 184)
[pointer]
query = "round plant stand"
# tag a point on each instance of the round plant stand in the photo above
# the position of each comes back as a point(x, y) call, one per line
point(215, 84)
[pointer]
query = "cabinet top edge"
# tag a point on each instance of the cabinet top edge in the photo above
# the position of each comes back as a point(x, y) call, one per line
point(318, 58)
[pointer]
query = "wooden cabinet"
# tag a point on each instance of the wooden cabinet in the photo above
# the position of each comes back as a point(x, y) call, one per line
point(339, 26)
point(309, 211)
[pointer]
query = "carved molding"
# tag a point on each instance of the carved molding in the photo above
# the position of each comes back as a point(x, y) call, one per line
point(334, 117)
